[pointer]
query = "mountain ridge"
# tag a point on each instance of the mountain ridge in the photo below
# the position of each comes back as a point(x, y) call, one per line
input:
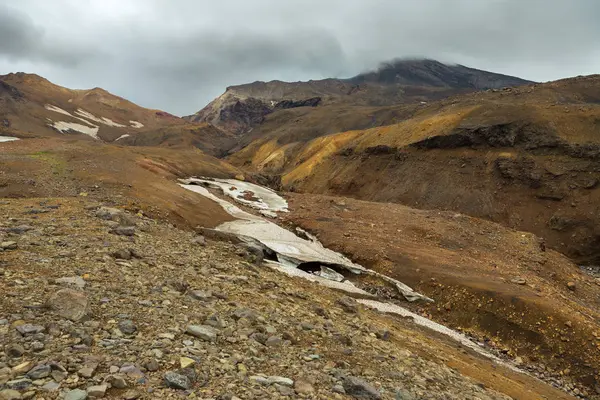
point(244, 106)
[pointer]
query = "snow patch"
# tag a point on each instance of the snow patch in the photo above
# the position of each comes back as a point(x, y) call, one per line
point(59, 110)
point(135, 124)
point(255, 196)
point(50, 107)
point(8, 139)
point(434, 326)
point(122, 137)
point(103, 120)
point(291, 250)
point(64, 127)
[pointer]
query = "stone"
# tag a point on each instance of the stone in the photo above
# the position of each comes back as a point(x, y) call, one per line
point(22, 368)
point(280, 380)
point(69, 303)
point(87, 371)
point(274, 341)
point(177, 381)
point(39, 372)
point(571, 286)
point(14, 350)
point(76, 281)
point(97, 391)
point(20, 229)
point(76, 394)
point(19, 384)
point(10, 394)
point(8, 245)
point(132, 395)
point(404, 395)
point(360, 389)
point(37, 346)
point(302, 386)
point(51, 386)
point(117, 381)
point(204, 332)
point(201, 295)
point(30, 329)
point(122, 254)
point(124, 230)
point(109, 213)
point(285, 390)
point(348, 304)
point(518, 281)
point(127, 327)
point(186, 362)
point(152, 365)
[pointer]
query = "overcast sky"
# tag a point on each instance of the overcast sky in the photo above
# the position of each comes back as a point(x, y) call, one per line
point(177, 55)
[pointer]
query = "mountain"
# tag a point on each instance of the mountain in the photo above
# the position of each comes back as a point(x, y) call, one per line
point(242, 107)
point(32, 106)
point(527, 157)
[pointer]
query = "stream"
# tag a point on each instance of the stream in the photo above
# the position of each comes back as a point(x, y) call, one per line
point(292, 253)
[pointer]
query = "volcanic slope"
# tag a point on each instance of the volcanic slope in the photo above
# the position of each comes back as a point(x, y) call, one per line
point(243, 107)
point(527, 157)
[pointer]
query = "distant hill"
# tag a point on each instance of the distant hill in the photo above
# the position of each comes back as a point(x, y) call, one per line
point(403, 81)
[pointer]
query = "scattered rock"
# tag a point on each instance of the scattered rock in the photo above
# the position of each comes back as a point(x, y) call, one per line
point(348, 304)
point(97, 391)
point(39, 372)
point(177, 381)
point(519, 281)
point(9, 394)
point(76, 281)
point(303, 387)
point(127, 327)
point(69, 303)
point(8, 245)
point(76, 394)
point(360, 389)
point(124, 230)
point(30, 329)
point(203, 332)
point(14, 350)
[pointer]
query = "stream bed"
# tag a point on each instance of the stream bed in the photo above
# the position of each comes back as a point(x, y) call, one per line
point(291, 252)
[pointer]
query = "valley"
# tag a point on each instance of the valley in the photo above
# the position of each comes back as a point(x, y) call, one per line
point(285, 240)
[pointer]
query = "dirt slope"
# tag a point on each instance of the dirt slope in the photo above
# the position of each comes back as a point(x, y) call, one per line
point(54, 168)
point(500, 285)
point(526, 157)
point(144, 292)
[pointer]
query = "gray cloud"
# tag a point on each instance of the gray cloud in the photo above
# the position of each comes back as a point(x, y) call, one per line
point(179, 54)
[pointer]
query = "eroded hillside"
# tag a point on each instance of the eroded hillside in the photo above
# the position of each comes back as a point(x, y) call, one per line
point(526, 157)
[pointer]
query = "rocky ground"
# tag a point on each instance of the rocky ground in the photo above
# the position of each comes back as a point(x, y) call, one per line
point(101, 303)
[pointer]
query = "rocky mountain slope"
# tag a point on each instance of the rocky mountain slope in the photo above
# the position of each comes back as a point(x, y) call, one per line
point(526, 157)
point(90, 311)
point(242, 107)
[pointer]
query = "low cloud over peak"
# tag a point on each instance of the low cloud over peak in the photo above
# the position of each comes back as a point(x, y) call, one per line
point(177, 55)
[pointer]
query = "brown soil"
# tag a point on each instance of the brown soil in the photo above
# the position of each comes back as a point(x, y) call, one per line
point(145, 175)
point(525, 157)
point(494, 282)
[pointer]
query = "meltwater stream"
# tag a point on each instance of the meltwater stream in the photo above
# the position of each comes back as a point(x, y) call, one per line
point(292, 251)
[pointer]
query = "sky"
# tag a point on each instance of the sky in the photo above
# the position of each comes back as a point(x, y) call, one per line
point(177, 55)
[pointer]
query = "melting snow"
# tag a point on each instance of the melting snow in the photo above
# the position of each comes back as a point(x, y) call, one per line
point(50, 107)
point(255, 196)
point(434, 326)
point(64, 127)
point(8, 139)
point(293, 250)
point(136, 124)
point(103, 120)
point(122, 137)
